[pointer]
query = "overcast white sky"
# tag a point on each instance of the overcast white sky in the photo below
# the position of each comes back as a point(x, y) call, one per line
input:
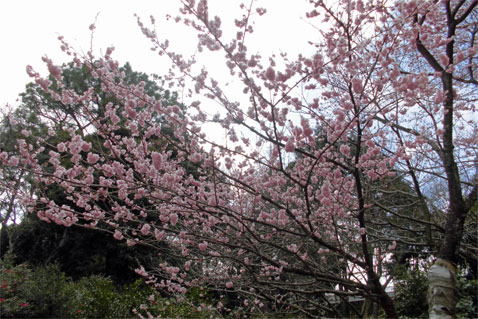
point(29, 30)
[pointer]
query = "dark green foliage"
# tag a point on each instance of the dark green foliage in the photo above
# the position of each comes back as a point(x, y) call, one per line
point(80, 252)
point(46, 292)
point(411, 292)
point(411, 286)
point(467, 305)
point(96, 297)
point(4, 241)
point(12, 279)
point(81, 80)
point(39, 293)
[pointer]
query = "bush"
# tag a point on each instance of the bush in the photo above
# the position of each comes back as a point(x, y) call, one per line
point(12, 303)
point(97, 297)
point(467, 305)
point(46, 292)
point(411, 285)
point(196, 304)
point(39, 293)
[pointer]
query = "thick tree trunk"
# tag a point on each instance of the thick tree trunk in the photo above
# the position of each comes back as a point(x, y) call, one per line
point(442, 293)
point(442, 290)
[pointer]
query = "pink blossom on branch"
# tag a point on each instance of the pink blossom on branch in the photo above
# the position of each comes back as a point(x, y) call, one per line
point(157, 160)
point(145, 229)
point(117, 235)
point(92, 158)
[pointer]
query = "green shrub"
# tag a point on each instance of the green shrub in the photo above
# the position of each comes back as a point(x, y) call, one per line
point(467, 305)
point(12, 301)
point(195, 304)
point(46, 292)
point(411, 285)
point(96, 297)
point(39, 293)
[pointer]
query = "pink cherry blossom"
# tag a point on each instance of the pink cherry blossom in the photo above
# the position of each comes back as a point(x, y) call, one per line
point(290, 145)
point(118, 235)
point(202, 246)
point(145, 229)
point(173, 219)
point(345, 149)
point(92, 158)
point(270, 74)
point(157, 160)
point(357, 85)
point(141, 271)
point(61, 147)
point(159, 235)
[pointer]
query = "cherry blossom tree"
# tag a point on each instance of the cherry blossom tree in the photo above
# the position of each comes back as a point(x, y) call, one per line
point(299, 208)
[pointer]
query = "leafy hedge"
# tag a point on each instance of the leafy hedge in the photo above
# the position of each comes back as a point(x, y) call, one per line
point(45, 292)
point(411, 286)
